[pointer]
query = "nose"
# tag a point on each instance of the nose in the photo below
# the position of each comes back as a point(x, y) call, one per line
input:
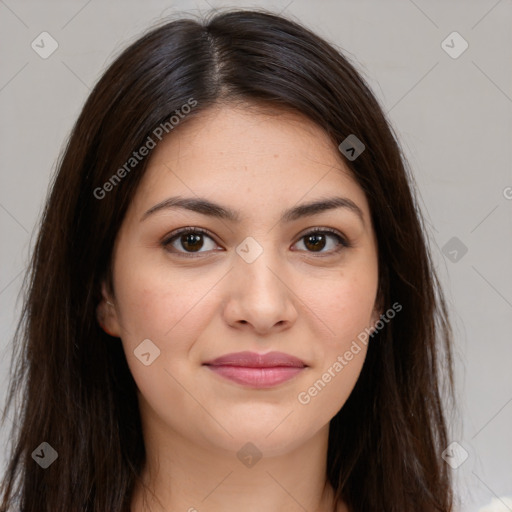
point(260, 296)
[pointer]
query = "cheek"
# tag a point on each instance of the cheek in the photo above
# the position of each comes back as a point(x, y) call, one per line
point(342, 310)
point(342, 307)
point(170, 310)
point(155, 294)
point(170, 313)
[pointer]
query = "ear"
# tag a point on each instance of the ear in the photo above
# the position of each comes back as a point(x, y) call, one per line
point(377, 312)
point(106, 313)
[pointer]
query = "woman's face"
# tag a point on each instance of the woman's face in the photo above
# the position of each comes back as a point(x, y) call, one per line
point(260, 283)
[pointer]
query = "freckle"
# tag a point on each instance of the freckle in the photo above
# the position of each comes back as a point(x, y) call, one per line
point(276, 156)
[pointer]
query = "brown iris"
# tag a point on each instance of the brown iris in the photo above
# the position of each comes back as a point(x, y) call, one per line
point(317, 241)
point(192, 241)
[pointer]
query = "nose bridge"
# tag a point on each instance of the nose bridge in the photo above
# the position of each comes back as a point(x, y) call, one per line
point(257, 262)
point(258, 293)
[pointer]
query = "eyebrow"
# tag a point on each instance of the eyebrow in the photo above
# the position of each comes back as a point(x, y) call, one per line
point(206, 207)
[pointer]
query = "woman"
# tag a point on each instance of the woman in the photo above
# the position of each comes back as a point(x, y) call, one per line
point(232, 303)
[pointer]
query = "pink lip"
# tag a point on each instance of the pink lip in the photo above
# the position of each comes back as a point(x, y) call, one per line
point(257, 370)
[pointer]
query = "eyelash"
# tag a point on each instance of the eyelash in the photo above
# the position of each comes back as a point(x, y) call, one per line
point(167, 241)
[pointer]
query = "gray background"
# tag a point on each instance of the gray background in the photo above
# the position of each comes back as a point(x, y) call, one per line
point(453, 117)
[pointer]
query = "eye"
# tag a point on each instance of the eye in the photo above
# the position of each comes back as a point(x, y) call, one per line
point(187, 241)
point(190, 239)
point(317, 239)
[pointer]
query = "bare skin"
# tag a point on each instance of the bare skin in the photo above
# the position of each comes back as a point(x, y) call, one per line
point(198, 301)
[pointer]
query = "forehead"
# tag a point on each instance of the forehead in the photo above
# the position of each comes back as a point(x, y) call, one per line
point(242, 132)
point(247, 158)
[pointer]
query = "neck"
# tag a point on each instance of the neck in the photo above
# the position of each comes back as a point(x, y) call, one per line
point(199, 477)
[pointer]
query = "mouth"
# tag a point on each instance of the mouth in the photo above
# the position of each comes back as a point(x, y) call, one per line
point(257, 370)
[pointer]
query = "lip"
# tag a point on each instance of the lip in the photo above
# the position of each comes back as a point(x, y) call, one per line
point(257, 370)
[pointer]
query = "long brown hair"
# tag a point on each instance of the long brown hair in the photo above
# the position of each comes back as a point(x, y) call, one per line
point(77, 392)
